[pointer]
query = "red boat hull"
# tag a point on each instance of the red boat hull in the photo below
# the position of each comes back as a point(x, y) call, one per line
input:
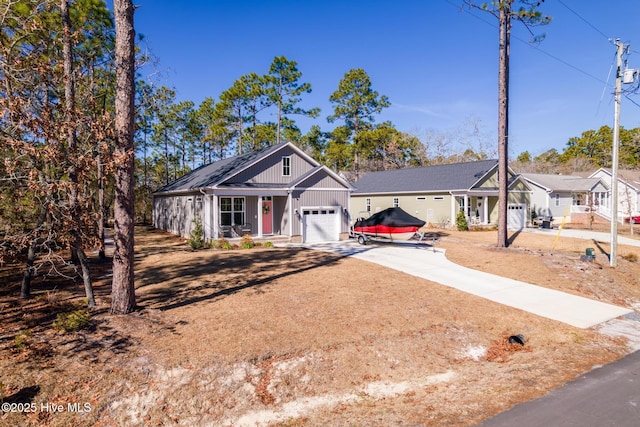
point(387, 232)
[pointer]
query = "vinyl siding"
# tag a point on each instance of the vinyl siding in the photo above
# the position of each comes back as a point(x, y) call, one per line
point(176, 214)
point(432, 210)
point(321, 198)
point(269, 169)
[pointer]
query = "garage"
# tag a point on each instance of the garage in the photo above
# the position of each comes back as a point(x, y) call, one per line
point(516, 216)
point(320, 224)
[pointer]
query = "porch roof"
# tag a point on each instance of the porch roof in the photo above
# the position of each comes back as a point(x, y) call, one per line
point(562, 183)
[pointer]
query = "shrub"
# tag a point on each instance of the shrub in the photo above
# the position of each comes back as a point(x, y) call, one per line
point(268, 244)
point(247, 242)
point(196, 239)
point(224, 244)
point(461, 222)
point(72, 321)
point(22, 339)
point(631, 257)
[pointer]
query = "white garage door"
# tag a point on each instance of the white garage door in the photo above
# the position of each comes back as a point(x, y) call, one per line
point(320, 224)
point(516, 216)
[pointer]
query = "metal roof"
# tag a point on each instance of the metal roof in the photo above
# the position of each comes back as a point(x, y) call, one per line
point(455, 176)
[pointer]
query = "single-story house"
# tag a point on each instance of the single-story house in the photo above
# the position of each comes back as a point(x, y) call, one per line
point(628, 191)
point(566, 198)
point(436, 194)
point(276, 191)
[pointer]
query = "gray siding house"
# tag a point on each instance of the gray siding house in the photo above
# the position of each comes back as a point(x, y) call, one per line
point(566, 197)
point(277, 191)
point(436, 194)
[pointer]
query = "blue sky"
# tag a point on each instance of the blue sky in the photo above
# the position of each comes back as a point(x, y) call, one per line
point(437, 64)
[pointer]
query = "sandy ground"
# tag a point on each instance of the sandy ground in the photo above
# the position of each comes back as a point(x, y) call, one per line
point(295, 337)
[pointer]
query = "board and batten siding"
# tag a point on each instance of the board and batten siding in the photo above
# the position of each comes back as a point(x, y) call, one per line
point(269, 169)
point(176, 213)
point(321, 198)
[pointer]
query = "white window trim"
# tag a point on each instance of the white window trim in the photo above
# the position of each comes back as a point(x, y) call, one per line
point(233, 210)
point(286, 167)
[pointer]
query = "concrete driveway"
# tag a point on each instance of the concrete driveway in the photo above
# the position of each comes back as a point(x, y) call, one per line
point(428, 263)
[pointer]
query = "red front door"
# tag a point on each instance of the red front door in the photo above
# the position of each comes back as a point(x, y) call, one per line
point(267, 217)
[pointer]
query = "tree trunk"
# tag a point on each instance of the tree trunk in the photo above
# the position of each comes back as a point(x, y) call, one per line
point(123, 298)
point(77, 249)
point(503, 125)
point(101, 215)
point(25, 289)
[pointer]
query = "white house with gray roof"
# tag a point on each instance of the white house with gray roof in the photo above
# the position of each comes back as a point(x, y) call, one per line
point(436, 194)
point(628, 191)
point(277, 191)
point(565, 196)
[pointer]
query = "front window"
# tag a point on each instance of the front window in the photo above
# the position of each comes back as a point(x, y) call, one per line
point(232, 211)
point(286, 166)
point(396, 202)
point(557, 199)
point(368, 203)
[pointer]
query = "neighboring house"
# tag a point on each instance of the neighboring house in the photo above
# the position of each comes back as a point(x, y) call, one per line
point(628, 190)
point(566, 198)
point(436, 194)
point(279, 190)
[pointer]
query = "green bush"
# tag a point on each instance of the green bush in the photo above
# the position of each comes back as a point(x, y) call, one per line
point(247, 242)
point(268, 245)
point(196, 239)
point(224, 244)
point(72, 321)
point(461, 222)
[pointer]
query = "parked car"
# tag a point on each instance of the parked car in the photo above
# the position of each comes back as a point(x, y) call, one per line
point(634, 218)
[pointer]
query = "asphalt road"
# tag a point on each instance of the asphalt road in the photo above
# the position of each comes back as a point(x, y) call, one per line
point(606, 396)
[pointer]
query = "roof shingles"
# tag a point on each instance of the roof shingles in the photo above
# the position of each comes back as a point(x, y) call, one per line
point(458, 176)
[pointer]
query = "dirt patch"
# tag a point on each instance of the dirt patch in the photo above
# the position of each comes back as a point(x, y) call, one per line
point(300, 337)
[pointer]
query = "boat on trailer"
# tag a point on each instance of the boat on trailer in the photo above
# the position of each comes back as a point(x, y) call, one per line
point(392, 224)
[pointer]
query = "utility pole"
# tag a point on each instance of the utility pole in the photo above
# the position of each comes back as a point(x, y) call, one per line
point(613, 253)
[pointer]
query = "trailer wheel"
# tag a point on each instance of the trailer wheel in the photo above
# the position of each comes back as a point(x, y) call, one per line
point(362, 240)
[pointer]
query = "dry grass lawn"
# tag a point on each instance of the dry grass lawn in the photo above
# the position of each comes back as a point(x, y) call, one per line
point(295, 337)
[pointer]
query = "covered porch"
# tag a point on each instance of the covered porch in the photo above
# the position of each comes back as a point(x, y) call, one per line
point(233, 214)
point(477, 207)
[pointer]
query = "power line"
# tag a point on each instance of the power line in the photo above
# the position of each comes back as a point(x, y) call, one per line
point(529, 44)
point(584, 20)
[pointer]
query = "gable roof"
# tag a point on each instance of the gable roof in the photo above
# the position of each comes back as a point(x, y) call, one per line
point(455, 176)
point(628, 177)
point(561, 183)
point(216, 173)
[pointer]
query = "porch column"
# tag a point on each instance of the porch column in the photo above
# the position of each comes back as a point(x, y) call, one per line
point(290, 203)
point(259, 216)
point(466, 206)
point(208, 229)
point(485, 209)
point(216, 215)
